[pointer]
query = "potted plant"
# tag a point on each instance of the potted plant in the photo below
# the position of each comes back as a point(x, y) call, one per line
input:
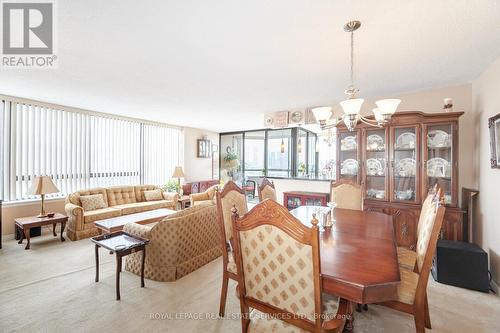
point(173, 186)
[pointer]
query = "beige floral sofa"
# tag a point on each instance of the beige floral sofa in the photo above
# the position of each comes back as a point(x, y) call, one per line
point(207, 196)
point(179, 244)
point(119, 200)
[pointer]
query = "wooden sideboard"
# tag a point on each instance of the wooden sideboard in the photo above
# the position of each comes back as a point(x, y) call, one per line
point(294, 199)
point(398, 164)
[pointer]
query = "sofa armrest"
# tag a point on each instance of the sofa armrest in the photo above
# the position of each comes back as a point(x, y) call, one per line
point(75, 215)
point(172, 196)
point(140, 230)
point(198, 197)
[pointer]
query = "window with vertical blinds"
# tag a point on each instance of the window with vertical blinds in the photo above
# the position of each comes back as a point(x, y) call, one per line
point(81, 150)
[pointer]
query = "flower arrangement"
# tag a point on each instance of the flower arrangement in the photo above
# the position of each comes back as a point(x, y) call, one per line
point(172, 186)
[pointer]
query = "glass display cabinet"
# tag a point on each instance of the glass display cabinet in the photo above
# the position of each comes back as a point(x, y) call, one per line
point(399, 163)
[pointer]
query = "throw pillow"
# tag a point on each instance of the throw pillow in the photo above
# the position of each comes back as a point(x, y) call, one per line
point(153, 195)
point(93, 202)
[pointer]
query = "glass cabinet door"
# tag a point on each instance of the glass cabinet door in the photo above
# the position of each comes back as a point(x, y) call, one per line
point(405, 164)
point(348, 156)
point(438, 160)
point(293, 202)
point(375, 160)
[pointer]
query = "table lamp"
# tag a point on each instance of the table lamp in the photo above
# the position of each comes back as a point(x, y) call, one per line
point(43, 185)
point(178, 173)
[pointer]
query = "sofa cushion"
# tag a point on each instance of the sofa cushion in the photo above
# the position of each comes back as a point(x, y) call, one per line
point(74, 198)
point(100, 214)
point(153, 195)
point(138, 207)
point(120, 195)
point(139, 191)
point(93, 202)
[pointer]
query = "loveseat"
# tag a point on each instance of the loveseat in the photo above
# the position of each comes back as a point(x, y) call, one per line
point(207, 196)
point(179, 244)
point(118, 201)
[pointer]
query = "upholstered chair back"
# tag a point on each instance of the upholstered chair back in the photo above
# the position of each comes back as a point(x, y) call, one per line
point(267, 190)
point(120, 195)
point(74, 198)
point(426, 227)
point(278, 262)
point(347, 195)
point(231, 195)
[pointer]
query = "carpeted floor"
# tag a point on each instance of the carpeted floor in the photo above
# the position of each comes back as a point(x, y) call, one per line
point(51, 288)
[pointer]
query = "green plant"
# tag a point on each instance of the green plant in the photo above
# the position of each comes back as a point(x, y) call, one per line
point(172, 186)
point(302, 167)
point(230, 156)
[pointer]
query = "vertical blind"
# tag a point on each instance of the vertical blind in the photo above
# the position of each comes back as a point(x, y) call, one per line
point(81, 150)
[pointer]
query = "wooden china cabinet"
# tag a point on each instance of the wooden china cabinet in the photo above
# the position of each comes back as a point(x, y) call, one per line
point(399, 163)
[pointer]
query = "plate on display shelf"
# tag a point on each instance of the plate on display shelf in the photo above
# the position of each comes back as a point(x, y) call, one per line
point(406, 167)
point(447, 199)
point(375, 142)
point(438, 167)
point(404, 195)
point(406, 141)
point(349, 167)
point(375, 194)
point(438, 139)
point(374, 167)
point(348, 143)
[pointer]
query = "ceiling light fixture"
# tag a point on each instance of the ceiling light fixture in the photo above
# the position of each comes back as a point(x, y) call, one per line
point(352, 105)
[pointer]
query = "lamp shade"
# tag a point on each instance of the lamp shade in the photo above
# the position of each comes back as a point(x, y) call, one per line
point(322, 114)
point(378, 115)
point(388, 106)
point(178, 173)
point(352, 105)
point(43, 185)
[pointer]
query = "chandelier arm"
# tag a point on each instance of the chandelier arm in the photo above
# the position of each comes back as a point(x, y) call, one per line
point(369, 122)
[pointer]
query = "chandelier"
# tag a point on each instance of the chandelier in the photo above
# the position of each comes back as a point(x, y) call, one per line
point(352, 105)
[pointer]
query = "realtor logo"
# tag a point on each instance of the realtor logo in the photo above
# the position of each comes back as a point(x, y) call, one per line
point(28, 34)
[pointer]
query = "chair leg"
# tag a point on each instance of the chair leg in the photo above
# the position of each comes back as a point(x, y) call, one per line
point(223, 295)
point(427, 315)
point(419, 316)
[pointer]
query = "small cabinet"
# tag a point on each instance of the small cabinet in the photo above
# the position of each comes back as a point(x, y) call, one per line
point(294, 199)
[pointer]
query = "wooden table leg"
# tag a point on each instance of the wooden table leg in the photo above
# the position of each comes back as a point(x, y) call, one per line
point(26, 232)
point(21, 234)
point(142, 266)
point(54, 229)
point(96, 263)
point(118, 270)
point(63, 225)
point(349, 324)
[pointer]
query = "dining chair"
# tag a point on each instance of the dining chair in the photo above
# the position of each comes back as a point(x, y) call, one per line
point(412, 291)
point(407, 258)
point(267, 190)
point(346, 194)
point(278, 264)
point(230, 196)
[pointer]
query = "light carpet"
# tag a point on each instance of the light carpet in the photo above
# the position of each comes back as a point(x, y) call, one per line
point(51, 288)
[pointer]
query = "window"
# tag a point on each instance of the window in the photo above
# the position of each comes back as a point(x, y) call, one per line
point(288, 152)
point(81, 150)
point(279, 162)
point(255, 153)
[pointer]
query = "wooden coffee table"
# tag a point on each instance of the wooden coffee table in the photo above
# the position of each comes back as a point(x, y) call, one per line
point(24, 224)
point(116, 223)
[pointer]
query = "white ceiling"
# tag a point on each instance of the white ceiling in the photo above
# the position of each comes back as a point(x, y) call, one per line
point(219, 65)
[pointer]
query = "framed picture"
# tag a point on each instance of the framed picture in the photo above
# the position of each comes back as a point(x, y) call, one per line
point(494, 126)
point(204, 148)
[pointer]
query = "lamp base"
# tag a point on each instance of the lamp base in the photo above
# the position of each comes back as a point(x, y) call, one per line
point(41, 216)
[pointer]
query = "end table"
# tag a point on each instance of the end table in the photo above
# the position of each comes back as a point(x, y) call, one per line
point(123, 244)
point(24, 224)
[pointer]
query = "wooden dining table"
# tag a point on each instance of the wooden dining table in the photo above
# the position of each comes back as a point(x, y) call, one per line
point(358, 254)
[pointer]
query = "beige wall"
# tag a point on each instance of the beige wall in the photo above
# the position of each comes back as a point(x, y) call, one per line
point(197, 168)
point(486, 99)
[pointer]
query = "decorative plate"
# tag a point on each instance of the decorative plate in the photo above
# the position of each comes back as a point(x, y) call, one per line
point(374, 167)
point(349, 167)
point(348, 143)
point(406, 167)
point(268, 120)
point(297, 117)
point(406, 141)
point(404, 195)
point(438, 167)
point(376, 194)
point(438, 139)
point(375, 142)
